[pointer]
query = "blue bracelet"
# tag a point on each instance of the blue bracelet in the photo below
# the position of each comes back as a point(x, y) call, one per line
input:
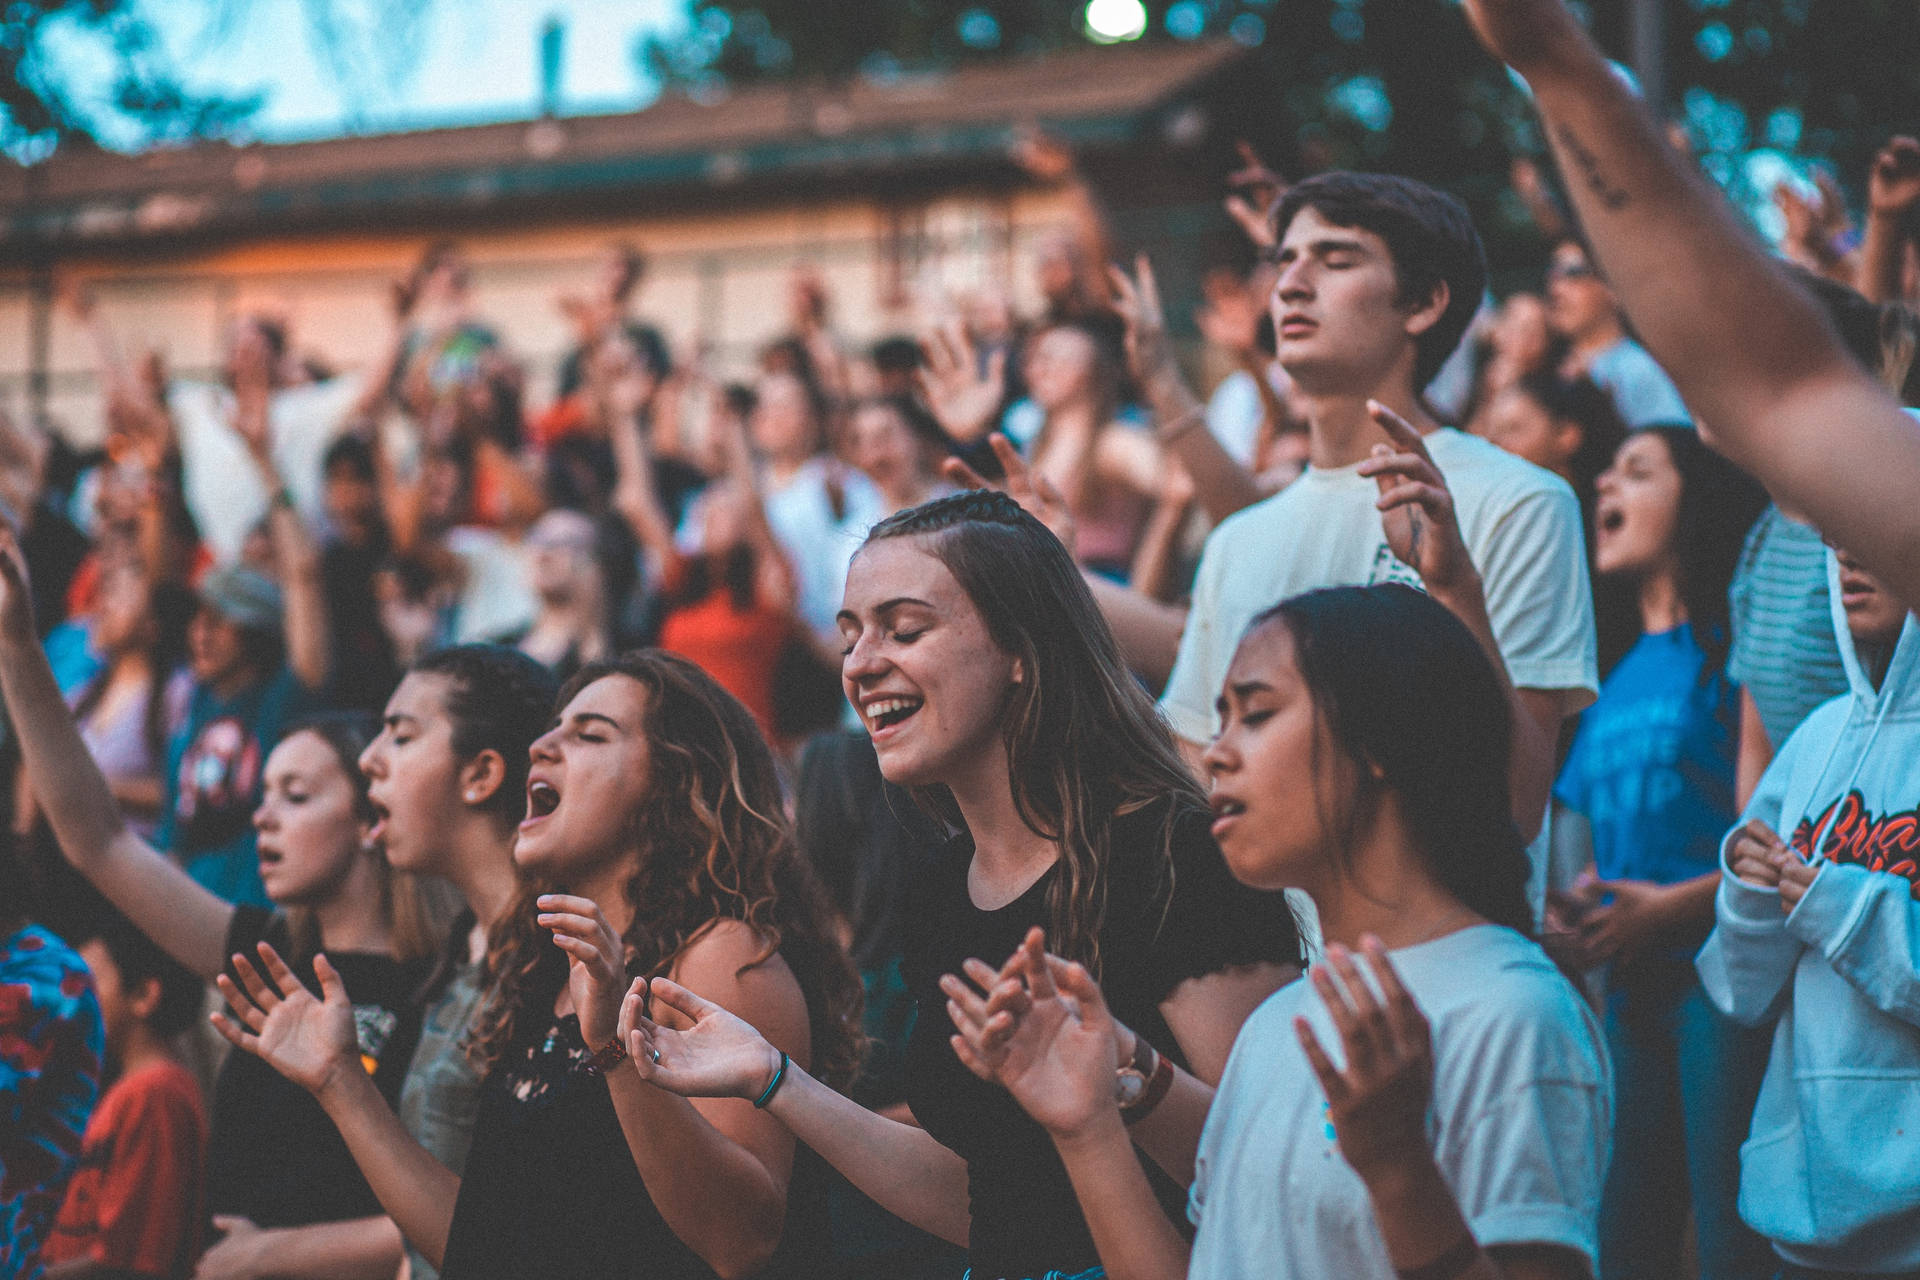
point(773, 1085)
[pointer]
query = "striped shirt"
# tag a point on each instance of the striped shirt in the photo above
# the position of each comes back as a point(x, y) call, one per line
point(1784, 651)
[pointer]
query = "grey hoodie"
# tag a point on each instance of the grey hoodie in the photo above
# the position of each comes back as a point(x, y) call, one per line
point(1831, 1170)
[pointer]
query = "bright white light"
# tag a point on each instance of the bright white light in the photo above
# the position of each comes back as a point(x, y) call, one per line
point(1111, 21)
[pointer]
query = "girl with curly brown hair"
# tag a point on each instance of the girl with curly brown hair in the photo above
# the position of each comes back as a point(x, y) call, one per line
point(654, 845)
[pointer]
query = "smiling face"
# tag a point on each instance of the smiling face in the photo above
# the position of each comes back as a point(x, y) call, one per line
point(920, 666)
point(413, 776)
point(1638, 512)
point(308, 827)
point(1338, 324)
point(1272, 740)
point(590, 774)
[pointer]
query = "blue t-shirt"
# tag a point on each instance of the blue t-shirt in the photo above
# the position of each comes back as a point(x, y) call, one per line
point(1652, 765)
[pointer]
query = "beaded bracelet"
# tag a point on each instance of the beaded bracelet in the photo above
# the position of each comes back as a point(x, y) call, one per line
point(773, 1085)
point(606, 1059)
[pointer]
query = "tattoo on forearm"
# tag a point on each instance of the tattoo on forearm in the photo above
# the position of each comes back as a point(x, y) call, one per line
point(1610, 196)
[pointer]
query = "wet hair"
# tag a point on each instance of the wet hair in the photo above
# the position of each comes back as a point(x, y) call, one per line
point(139, 959)
point(714, 844)
point(1718, 505)
point(1429, 235)
point(1084, 742)
point(1403, 688)
point(496, 699)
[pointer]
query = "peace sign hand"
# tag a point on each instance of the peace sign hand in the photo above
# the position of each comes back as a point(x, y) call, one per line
point(1378, 1101)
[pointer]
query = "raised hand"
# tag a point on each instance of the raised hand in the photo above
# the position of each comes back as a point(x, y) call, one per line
point(1525, 34)
point(1056, 1055)
point(276, 1019)
point(964, 399)
point(1416, 507)
point(717, 1056)
point(1150, 355)
point(16, 597)
point(1378, 1100)
point(1253, 191)
point(1752, 854)
point(1893, 184)
point(596, 962)
point(1036, 494)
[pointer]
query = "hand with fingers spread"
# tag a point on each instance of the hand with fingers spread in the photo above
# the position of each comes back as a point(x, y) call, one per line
point(1036, 494)
point(1752, 853)
point(1416, 507)
point(964, 396)
point(1378, 1100)
point(717, 1055)
point(596, 962)
point(275, 1018)
point(1056, 1055)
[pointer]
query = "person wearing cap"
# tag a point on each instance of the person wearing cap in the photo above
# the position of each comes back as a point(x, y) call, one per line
point(259, 652)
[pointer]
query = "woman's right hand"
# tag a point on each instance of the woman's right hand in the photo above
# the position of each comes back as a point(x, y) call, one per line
point(276, 1019)
point(1753, 856)
point(718, 1056)
point(1053, 1049)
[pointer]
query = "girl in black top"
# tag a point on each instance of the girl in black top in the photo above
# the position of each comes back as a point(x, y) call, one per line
point(274, 1161)
point(991, 685)
point(652, 803)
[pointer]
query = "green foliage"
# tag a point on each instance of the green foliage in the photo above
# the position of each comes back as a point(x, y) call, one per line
point(145, 99)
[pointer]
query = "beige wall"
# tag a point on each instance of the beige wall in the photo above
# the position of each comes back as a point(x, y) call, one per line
point(721, 277)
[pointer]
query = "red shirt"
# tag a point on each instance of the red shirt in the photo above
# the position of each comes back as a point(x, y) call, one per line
point(737, 647)
point(137, 1200)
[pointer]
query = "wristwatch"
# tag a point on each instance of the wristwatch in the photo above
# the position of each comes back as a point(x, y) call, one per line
point(1140, 1083)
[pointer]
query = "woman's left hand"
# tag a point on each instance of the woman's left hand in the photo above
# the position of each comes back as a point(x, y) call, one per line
point(1378, 1100)
point(596, 963)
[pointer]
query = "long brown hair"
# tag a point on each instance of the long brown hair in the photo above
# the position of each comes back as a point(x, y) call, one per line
point(1085, 745)
point(715, 844)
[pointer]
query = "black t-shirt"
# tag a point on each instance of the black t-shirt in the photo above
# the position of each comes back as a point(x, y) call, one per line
point(1026, 1221)
point(550, 1188)
point(273, 1155)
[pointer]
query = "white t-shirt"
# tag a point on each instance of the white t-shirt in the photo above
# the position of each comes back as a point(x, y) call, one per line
point(1521, 1120)
point(221, 485)
point(819, 546)
point(1521, 525)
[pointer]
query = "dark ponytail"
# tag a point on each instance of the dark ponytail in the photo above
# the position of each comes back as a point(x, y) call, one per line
point(1407, 694)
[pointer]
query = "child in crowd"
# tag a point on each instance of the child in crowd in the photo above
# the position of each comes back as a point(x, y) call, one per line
point(1819, 925)
point(137, 1204)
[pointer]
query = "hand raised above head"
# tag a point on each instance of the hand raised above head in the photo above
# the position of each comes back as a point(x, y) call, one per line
point(1036, 494)
point(1527, 35)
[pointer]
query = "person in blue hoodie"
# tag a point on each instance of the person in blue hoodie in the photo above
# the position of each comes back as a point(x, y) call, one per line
point(1818, 923)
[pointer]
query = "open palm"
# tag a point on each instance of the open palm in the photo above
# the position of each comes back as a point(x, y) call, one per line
point(719, 1056)
point(279, 1021)
point(1055, 1055)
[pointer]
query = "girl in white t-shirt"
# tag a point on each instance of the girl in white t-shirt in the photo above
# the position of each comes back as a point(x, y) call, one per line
point(1437, 1106)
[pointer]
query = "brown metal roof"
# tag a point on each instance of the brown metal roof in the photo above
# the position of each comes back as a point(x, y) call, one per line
point(792, 130)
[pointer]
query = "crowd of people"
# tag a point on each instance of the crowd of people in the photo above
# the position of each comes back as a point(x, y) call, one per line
point(1432, 807)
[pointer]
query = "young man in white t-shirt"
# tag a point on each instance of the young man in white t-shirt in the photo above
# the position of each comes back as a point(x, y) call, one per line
point(1379, 277)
